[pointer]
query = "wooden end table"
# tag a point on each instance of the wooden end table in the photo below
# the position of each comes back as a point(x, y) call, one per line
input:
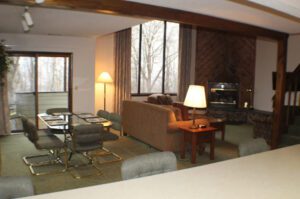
point(195, 137)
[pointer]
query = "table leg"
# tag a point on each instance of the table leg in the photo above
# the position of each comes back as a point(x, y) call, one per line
point(212, 146)
point(194, 148)
point(223, 132)
point(182, 152)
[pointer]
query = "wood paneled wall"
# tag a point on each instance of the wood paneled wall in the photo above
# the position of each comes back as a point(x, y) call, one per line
point(223, 57)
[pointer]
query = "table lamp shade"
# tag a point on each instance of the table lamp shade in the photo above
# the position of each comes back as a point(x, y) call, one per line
point(195, 97)
point(104, 78)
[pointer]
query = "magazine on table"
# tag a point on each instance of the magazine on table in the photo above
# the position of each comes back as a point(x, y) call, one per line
point(61, 113)
point(57, 122)
point(96, 120)
point(51, 117)
point(86, 115)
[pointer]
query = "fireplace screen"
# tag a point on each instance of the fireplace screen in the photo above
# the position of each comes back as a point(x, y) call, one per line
point(223, 94)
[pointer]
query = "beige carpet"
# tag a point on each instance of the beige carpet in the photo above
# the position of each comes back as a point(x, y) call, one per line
point(14, 147)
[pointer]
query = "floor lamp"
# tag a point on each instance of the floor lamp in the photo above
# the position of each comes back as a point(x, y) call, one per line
point(104, 78)
point(195, 98)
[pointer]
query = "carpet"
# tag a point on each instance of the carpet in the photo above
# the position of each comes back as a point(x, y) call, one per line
point(14, 147)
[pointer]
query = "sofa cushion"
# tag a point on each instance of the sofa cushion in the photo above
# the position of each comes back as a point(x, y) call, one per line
point(164, 99)
point(175, 110)
point(153, 98)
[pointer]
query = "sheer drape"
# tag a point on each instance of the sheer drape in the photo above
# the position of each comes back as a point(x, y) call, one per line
point(4, 108)
point(185, 53)
point(123, 67)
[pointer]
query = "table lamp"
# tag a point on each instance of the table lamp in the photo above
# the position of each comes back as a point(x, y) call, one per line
point(195, 98)
point(104, 78)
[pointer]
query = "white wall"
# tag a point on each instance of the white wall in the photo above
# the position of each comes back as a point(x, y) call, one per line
point(83, 50)
point(293, 58)
point(265, 64)
point(104, 63)
point(266, 58)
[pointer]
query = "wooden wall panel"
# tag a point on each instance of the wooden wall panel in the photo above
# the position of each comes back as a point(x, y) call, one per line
point(223, 57)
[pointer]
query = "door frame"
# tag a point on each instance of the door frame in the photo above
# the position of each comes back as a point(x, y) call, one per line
point(37, 54)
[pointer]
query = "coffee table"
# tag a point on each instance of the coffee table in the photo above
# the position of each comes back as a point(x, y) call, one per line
point(195, 137)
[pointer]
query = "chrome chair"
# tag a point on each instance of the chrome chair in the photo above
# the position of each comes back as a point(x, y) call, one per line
point(15, 187)
point(253, 146)
point(85, 139)
point(148, 164)
point(46, 142)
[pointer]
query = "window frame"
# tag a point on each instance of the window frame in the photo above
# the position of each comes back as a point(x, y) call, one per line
point(36, 55)
point(163, 64)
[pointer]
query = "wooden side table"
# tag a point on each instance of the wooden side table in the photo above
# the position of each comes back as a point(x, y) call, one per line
point(196, 136)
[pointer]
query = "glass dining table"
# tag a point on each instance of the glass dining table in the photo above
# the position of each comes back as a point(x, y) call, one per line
point(66, 121)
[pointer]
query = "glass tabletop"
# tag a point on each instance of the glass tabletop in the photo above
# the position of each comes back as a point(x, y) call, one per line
point(64, 122)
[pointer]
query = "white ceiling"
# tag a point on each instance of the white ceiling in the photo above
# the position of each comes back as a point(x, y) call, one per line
point(238, 11)
point(75, 23)
point(63, 22)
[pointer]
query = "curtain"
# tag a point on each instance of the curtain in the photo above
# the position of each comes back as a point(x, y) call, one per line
point(185, 53)
point(122, 68)
point(4, 108)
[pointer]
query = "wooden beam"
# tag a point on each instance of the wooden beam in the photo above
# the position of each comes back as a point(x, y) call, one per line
point(278, 113)
point(126, 8)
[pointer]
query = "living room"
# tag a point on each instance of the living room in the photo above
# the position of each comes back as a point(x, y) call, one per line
point(91, 39)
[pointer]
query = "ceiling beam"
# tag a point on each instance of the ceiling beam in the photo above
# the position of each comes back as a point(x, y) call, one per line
point(125, 8)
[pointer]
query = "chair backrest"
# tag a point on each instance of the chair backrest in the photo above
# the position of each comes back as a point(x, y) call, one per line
point(32, 132)
point(24, 124)
point(104, 114)
point(56, 110)
point(148, 164)
point(15, 187)
point(87, 137)
point(253, 146)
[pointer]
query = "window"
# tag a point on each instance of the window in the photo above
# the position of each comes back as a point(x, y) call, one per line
point(154, 58)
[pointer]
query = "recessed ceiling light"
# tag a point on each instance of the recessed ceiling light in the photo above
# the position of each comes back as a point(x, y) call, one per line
point(39, 1)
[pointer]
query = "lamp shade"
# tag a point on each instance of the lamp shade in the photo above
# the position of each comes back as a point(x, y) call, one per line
point(195, 97)
point(104, 78)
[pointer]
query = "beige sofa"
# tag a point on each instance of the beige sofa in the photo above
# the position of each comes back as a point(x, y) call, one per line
point(153, 124)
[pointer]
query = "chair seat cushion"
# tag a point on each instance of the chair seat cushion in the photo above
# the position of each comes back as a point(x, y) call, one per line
point(49, 142)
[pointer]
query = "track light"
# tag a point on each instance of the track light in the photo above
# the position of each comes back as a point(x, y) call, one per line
point(27, 17)
point(25, 26)
point(39, 1)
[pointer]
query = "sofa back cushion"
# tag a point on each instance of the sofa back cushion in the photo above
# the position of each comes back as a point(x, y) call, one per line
point(160, 99)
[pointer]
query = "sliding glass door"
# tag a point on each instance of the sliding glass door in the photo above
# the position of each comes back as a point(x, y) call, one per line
point(38, 81)
point(22, 89)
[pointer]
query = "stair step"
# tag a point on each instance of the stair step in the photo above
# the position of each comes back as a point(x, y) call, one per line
point(294, 129)
point(297, 120)
point(288, 140)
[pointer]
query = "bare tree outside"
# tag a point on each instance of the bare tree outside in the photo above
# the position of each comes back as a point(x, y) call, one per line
point(152, 47)
point(51, 73)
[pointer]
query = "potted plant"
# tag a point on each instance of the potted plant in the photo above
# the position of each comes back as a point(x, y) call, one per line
point(4, 62)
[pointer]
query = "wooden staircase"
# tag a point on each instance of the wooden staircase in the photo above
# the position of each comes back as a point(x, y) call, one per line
point(291, 122)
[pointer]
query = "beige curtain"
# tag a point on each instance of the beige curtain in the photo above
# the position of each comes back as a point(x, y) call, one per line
point(4, 108)
point(123, 68)
point(185, 51)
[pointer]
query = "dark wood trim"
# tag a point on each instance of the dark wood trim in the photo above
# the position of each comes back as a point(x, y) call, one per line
point(33, 53)
point(278, 112)
point(164, 57)
point(65, 74)
point(140, 59)
point(36, 96)
point(147, 94)
point(70, 90)
point(126, 8)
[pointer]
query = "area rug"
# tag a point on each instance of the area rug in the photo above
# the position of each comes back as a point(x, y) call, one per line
point(14, 147)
